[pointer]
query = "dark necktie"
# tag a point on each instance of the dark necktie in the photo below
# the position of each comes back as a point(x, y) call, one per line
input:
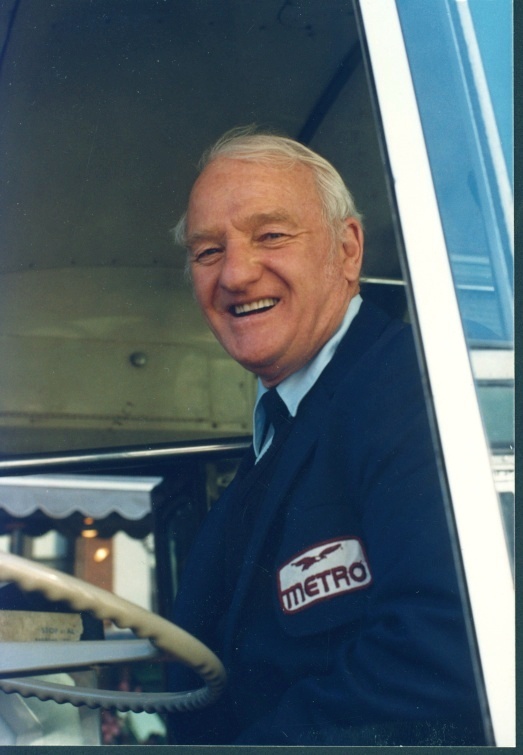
point(276, 413)
point(252, 483)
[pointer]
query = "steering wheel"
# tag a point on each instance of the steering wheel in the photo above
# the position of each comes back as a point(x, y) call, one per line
point(168, 638)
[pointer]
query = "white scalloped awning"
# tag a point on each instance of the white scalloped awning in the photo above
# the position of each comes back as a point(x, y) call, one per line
point(60, 496)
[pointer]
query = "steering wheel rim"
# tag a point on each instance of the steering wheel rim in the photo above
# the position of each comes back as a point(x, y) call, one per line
point(165, 636)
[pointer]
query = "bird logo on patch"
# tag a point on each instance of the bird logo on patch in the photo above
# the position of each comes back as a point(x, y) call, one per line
point(307, 561)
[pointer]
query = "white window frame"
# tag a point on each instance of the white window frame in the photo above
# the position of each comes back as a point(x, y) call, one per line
point(465, 449)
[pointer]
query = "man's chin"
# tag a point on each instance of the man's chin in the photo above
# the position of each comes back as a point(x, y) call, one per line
point(270, 374)
point(262, 368)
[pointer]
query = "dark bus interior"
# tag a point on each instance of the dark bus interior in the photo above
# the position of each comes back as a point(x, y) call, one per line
point(105, 109)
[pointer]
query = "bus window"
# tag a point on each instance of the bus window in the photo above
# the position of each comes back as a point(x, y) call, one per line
point(465, 112)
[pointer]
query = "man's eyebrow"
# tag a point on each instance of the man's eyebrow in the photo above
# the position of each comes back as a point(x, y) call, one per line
point(204, 235)
point(277, 216)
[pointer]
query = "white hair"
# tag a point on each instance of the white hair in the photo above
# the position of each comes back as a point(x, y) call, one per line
point(245, 143)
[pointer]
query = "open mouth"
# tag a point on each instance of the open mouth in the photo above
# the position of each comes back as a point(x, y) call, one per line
point(252, 308)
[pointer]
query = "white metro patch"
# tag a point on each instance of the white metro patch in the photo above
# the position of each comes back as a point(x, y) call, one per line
point(325, 571)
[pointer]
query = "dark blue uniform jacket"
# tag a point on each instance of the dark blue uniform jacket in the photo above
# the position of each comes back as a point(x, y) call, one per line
point(339, 618)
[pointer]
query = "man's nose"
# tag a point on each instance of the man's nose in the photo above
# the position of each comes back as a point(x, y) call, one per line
point(241, 265)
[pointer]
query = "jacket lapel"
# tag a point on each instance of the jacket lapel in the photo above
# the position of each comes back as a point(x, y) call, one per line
point(298, 445)
point(365, 330)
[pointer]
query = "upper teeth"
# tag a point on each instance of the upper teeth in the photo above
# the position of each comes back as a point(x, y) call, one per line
point(241, 309)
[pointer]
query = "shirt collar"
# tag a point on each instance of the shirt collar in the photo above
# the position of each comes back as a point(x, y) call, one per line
point(294, 388)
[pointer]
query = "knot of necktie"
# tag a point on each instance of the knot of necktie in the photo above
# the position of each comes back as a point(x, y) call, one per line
point(276, 413)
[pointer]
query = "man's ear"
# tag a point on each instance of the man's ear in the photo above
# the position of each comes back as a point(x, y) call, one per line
point(352, 249)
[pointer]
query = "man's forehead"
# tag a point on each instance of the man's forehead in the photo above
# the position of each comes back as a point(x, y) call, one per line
point(269, 188)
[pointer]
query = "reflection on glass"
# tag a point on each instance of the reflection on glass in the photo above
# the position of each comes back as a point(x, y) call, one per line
point(464, 89)
point(470, 175)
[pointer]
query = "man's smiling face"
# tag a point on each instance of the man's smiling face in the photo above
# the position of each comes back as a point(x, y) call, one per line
point(272, 281)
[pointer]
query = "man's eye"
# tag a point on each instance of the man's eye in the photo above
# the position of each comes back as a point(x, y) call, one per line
point(272, 236)
point(206, 256)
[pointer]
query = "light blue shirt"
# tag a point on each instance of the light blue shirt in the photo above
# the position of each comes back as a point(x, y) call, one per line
point(294, 388)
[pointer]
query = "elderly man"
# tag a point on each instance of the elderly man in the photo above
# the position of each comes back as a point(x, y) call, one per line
point(324, 577)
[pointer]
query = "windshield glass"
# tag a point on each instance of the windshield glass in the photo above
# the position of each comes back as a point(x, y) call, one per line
point(465, 109)
point(461, 65)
